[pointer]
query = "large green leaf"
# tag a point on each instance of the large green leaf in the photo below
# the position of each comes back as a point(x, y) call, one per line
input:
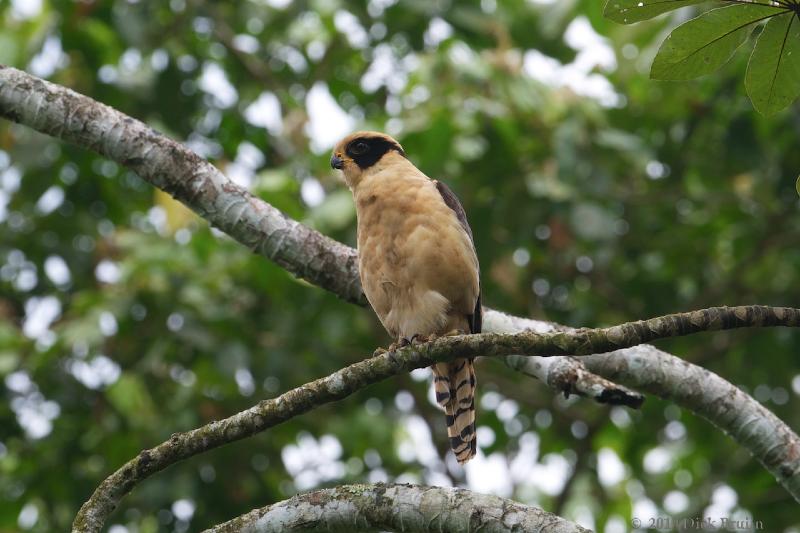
point(773, 74)
point(705, 43)
point(630, 11)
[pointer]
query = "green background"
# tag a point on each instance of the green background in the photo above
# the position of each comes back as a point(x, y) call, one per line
point(678, 196)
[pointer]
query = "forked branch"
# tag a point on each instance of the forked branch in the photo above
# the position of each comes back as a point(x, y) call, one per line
point(357, 376)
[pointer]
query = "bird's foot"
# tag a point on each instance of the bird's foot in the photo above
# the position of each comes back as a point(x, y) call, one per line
point(402, 342)
point(381, 350)
point(415, 339)
point(454, 333)
point(422, 339)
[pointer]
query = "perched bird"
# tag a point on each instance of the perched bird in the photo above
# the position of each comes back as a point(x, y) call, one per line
point(418, 265)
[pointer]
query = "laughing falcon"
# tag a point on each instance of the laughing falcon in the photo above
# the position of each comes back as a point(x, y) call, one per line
point(417, 262)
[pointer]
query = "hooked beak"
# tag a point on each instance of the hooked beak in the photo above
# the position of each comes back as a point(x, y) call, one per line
point(336, 162)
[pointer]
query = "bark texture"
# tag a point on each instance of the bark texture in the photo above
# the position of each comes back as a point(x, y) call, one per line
point(705, 393)
point(562, 373)
point(402, 508)
point(727, 407)
point(190, 179)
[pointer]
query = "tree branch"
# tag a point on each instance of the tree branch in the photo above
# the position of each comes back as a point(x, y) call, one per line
point(717, 400)
point(562, 373)
point(190, 179)
point(409, 508)
point(198, 184)
point(703, 392)
point(344, 382)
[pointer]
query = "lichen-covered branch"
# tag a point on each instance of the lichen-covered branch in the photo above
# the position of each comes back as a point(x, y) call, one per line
point(644, 367)
point(402, 508)
point(263, 415)
point(562, 373)
point(192, 180)
point(344, 382)
point(705, 393)
point(171, 166)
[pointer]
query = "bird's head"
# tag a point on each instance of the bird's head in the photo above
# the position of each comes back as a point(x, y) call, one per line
point(363, 152)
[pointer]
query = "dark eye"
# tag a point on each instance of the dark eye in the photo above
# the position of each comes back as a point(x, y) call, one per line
point(359, 148)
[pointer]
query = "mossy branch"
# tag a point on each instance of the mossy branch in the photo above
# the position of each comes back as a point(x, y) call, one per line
point(357, 376)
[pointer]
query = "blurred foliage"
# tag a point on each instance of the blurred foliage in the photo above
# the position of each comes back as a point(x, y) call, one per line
point(595, 194)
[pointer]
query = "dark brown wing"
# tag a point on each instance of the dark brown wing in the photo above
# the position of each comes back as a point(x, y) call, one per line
point(451, 200)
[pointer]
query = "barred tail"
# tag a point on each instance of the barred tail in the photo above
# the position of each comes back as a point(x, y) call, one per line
point(454, 384)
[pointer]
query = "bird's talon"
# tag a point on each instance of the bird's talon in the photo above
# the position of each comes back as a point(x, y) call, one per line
point(380, 350)
point(414, 340)
point(420, 339)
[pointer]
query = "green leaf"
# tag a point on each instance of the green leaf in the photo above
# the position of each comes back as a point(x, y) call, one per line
point(707, 42)
point(630, 11)
point(773, 73)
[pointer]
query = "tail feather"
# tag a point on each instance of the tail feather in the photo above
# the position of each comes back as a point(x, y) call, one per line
point(454, 384)
point(441, 383)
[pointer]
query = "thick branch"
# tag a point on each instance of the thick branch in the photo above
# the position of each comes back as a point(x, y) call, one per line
point(171, 166)
point(192, 180)
point(644, 367)
point(344, 382)
point(403, 508)
point(705, 393)
point(565, 374)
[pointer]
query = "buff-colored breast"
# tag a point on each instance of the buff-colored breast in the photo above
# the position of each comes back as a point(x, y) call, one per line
point(418, 266)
